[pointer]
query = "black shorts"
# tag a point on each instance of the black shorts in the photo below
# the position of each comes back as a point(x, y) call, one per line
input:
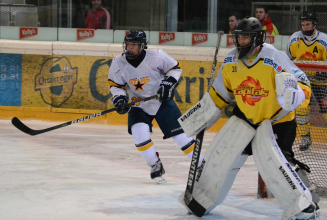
point(285, 132)
point(166, 118)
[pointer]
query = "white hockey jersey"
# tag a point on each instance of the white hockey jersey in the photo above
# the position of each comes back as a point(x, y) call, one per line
point(144, 80)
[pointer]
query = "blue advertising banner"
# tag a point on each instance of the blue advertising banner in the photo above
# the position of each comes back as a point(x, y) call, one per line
point(10, 79)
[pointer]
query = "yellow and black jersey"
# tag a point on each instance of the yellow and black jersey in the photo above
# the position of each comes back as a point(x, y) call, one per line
point(299, 48)
point(253, 85)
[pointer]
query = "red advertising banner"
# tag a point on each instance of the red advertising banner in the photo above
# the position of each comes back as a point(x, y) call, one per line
point(270, 39)
point(166, 37)
point(84, 34)
point(230, 41)
point(27, 32)
point(199, 38)
point(324, 102)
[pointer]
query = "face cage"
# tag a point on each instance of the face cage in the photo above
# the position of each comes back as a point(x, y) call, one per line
point(244, 51)
point(133, 56)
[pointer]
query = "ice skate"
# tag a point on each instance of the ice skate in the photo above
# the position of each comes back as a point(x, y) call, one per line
point(306, 142)
point(310, 213)
point(157, 172)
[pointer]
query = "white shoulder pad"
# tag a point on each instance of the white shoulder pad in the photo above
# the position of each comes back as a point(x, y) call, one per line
point(201, 116)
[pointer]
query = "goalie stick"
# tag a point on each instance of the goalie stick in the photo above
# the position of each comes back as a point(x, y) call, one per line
point(196, 208)
point(21, 126)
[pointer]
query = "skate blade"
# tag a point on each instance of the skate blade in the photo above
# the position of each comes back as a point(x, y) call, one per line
point(308, 217)
point(160, 179)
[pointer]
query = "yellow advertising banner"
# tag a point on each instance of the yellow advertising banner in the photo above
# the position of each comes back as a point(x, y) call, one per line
point(193, 82)
point(81, 82)
point(72, 82)
point(77, 84)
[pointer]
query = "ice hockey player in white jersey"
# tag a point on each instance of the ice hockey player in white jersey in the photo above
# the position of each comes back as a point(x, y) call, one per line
point(143, 73)
point(267, 87)
point(309, 44)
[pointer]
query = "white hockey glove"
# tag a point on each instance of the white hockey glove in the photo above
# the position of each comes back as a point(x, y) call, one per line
point(289, 94)
point(201, 116)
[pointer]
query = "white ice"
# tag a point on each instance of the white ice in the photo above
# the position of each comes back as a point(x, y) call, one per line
point(94, 172)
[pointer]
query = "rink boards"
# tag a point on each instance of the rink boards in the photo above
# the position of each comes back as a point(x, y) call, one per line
point(64, 81)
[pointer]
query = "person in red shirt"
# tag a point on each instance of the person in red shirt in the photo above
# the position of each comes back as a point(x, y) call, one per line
point(98, 17)
point(261, 13)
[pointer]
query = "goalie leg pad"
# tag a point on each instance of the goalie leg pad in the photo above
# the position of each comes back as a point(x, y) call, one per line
point(223, 160)
point(277, 172)
point(304, 177)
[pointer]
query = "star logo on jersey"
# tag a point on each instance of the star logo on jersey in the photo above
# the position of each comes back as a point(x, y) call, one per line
point(139, 85)
point(250, 90)
point(139, 82)
point(308, 57)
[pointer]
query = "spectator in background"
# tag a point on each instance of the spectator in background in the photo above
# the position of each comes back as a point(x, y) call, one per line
point(97, 17)
point(261, 13)
point(233, 20)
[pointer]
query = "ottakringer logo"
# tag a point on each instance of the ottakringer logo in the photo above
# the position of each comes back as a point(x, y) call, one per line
point(251, 91)
point(56, 81)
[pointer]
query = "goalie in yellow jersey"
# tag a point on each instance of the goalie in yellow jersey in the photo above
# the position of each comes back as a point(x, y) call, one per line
point(267, 87)
point(309, 44)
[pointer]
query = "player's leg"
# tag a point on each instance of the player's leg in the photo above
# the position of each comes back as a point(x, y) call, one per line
point(286, 133)
point(303, 121)
point(277, 171)
point(166, 117)
point(223, 160)
point(187, 146)
point(140, 126)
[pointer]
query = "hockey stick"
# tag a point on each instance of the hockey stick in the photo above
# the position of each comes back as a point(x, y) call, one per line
point(21, 126)
point(195, 207)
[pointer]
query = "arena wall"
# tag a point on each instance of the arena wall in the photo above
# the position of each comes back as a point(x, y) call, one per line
point(63, 81)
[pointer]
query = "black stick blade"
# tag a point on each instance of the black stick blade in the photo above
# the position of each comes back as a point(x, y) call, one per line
point(19, 125)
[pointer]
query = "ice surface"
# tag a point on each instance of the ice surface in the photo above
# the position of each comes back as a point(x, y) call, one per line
point(88, 172)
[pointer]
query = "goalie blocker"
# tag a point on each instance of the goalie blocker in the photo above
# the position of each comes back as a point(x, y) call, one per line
point(201, 116)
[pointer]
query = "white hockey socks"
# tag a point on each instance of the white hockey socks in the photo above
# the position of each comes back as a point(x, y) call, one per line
point(143, 143)
point(187, 146)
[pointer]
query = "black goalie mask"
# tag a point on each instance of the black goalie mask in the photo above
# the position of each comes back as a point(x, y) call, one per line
point(138, 37)
point(252, 28)
point(308, 16)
